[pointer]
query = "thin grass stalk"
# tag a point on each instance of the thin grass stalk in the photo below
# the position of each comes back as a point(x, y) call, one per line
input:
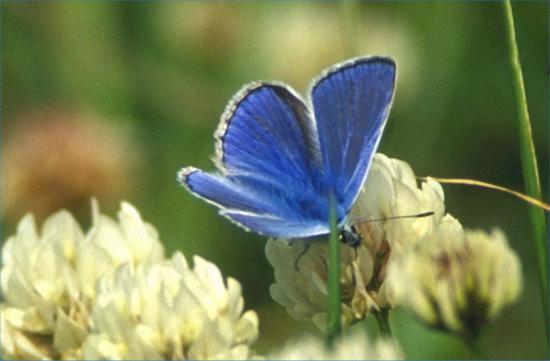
point(528, 160)
point(383, 321)
point(334, 293)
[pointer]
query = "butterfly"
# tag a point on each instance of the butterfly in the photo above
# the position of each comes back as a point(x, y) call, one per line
point(282, 161)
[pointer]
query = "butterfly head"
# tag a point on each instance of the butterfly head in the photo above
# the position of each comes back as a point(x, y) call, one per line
point(350, 236)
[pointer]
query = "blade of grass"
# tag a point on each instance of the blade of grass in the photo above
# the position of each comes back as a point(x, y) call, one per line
point(334, 295)
point(528, 160)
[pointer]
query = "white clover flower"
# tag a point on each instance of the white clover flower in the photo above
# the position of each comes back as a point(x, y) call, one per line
point(301, 286)
point(110, 243)
point(170, 311)
point(48, 277)
point(390, 190)
point(457, 280)
point(16, 344)
point(110, 294)
point(355, 346)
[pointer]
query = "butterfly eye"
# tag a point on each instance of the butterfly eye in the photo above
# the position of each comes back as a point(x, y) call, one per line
point(350, 236)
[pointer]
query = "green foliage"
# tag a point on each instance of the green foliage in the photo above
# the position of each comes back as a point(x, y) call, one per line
point(528, 160)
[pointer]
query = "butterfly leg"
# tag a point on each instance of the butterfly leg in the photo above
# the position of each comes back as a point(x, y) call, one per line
point(306, 247)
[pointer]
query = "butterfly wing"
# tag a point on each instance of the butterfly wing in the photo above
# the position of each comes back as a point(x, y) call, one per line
point(269, 165)
point(268, 128)
point(351, 103)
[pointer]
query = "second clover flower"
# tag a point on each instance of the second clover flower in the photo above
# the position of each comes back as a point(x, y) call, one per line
point(431, 265)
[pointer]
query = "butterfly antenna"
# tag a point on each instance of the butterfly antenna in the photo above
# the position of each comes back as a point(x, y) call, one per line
point(418, 215)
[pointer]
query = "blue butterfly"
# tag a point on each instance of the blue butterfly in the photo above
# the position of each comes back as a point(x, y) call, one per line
point(280, 159)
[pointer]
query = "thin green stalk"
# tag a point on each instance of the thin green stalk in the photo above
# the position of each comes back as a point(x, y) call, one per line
point(383, 321)
point(334, 294)
point(475, 348)
point(528, 160)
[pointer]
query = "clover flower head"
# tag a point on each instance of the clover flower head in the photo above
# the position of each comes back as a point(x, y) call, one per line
point(170, 311)
point(354, 346)
point(48, 277)
point(301, 275)
point(110, 294)
point(456, 279)
point(391, 190)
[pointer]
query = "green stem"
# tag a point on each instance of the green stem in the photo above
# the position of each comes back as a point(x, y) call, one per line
point(529, 161)
point(475, 348)
point(383, 321)
point(334, 295)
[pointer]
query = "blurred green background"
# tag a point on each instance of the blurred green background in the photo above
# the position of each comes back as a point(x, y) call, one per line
point(152, 78)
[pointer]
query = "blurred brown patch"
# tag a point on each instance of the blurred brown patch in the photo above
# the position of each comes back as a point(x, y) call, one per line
point(58, 158)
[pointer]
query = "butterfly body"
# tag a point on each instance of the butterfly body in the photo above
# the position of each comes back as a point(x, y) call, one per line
point(281, 159)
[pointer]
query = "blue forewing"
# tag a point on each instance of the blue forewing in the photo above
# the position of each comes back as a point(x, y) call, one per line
point(280, 158)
